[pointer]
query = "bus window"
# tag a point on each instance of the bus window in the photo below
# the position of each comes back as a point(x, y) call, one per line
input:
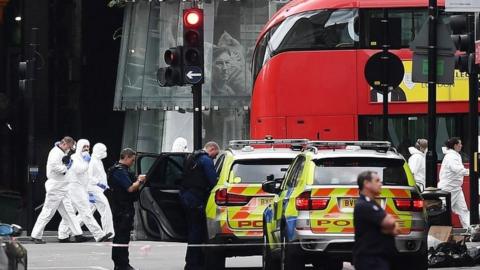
point(412, 21)
point(313, 30)
point(316, 30)
point(405, 130)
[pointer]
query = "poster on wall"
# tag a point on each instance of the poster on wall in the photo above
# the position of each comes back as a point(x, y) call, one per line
point(462, 6)
point(409, 91)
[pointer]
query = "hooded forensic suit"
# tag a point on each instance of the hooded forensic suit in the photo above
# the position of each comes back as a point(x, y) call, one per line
point(416, 162)
point(451, 179)
point(57, 190)
point(98, 184)
point(77, 190)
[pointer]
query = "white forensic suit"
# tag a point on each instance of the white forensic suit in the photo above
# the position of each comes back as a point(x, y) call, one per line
point(451, 179)
point(97, 185)
point(180, 145)
point(77, 190)
point(416, 162)
point(57, 190)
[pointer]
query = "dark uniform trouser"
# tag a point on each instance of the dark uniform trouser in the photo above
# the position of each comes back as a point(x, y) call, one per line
point(122, 225)
point(371, 263)
point(197, 230)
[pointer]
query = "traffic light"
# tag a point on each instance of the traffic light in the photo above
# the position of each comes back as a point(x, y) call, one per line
point(173, 74)
point(193, 69)
point(26, 73)
point(462, 39)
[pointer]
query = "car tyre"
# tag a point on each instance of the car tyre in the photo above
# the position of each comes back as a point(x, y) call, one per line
point(289, 257)
point(214, 259)
point(268, 261)
point(328, 264)
point(422, 257)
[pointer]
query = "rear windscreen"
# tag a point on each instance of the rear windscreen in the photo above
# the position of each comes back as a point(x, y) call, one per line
point(256, 171)
point(344, 171)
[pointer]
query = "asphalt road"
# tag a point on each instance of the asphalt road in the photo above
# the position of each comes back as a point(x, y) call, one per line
point(143, 255)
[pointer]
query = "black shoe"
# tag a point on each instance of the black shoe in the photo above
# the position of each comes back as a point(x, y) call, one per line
point(105, 237)
point(81, 238)
point(64, 240)
point(38, 241)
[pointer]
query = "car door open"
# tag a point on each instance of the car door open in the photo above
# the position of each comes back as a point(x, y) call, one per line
point(161, 212)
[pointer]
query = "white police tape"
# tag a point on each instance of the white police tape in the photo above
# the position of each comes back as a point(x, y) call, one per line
point(132, 244)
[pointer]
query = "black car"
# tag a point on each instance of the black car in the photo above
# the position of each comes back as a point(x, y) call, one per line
point(13, 256)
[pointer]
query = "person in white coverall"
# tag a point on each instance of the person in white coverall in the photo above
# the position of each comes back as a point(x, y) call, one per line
point(97, 185)
point(77, 190)
point(451, 179)
point(416, 162)
point(180, 145)
point(58, 164)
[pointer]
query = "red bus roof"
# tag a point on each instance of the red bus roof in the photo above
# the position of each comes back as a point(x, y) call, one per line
point(299, 6)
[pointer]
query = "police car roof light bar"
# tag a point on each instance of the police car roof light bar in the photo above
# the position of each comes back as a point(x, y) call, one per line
point(238, 144)
point(373, 145)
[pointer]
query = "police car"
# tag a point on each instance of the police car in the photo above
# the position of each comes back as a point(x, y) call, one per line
point(235, 206)
point(311, 218)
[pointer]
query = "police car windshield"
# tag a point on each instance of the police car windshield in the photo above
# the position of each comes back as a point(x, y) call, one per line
point(256, 171)
point(344, 171)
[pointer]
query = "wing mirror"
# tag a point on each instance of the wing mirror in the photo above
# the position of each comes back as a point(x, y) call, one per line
point(17, 230)
point(272, 185)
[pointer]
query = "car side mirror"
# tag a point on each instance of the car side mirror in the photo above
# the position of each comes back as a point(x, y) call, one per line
point(270, 177)
point(17, 230)
point(271, 186)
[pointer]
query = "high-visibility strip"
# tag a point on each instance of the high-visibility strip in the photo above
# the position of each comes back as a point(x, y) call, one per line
point(236, 189)
point(400, 193)
point(322, 192)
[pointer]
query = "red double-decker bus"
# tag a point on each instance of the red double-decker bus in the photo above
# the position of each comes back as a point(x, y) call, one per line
point(308, 77)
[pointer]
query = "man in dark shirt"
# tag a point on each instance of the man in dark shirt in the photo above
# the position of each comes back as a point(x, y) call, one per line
point(198, 180)
point(124, 192)
point(374, 228)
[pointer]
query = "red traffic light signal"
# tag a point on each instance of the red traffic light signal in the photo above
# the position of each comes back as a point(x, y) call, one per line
point(193, 50)
point(193, 18)
point(173, 74)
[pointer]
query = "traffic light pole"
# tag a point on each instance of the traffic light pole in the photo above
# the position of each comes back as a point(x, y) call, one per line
point(197, 116)
point(30, 103)
point(473, 119)
point(431, 158)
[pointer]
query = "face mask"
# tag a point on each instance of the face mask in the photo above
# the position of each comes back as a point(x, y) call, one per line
point(85, 153)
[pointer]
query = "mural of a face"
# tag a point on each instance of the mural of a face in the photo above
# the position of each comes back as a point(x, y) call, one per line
point(222, 65)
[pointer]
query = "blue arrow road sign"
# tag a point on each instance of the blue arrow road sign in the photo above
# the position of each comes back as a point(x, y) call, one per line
point(193, 74)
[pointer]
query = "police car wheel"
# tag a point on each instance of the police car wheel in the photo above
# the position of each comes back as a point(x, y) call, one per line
point(420, 258)
point(328, 264)
point(290, 259)
point(214, 259)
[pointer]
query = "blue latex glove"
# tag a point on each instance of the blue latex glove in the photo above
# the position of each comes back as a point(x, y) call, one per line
point(69, 165)
point(102, 186)
point(86, 157)
point(91, 198)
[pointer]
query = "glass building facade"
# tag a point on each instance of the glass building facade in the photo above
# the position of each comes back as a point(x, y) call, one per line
point(156, 115)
